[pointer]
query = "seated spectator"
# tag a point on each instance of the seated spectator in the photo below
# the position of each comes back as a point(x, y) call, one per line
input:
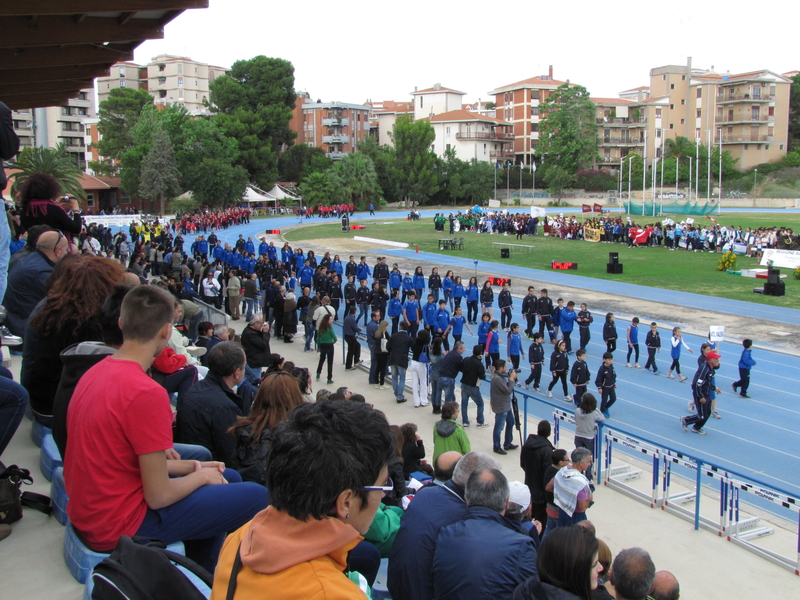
point(255, 341)
point(666, 587)
point(31, 238)
point(210, 407)
point(13, 402)
point(181, 344)
point(76, 292)
point(131, 488)
point(219, 335)
point(303, 377)
point(394, 497)
point(444, 466)
point(484, 555)
point(413, 452)
point(277, 395)
point(633, 574)
point(559, 459)
point(604, 558)
point(172, 373)
point(432, 508)
point(520, 510)
point(448, 433)
point(204, 332)
point(298, 547)
point(567, 567)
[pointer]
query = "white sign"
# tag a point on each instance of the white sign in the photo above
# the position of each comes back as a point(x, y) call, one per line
point(788, 259)
point(494, 203)
point(716, 334)
point(538, 211)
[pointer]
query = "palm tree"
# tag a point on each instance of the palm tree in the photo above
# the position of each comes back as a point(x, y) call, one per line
point(54, 161)
point(680, 147)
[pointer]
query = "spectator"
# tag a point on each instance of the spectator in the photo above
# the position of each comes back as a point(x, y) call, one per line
point(204, 330)
point(77, 290)
point(326, 340)
point(473, 371)
point(444, 466)
point(448, 434)
point(351, 330)
point(255, 341)
point(277, 395)
point(502, 388)
point(289, 318)
point(449, 369)
point(31, 238)
point(536, 455)
point(380, 353)
point(398, 346)
point(131, 488)
point(27, 283)
point(567, 567)
point(666, 587)
point(573, 495)
point(604, 557)
point(633, 574)
point(484, 555)
point(560, 459)
point(413, 452)
point(42, 204)
point(299, 545)
point(210, 407)
point(432, 508)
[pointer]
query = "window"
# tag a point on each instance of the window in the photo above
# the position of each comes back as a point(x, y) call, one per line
point(180, 68)
point(658, 133)
point(420, 101)
point(781, 146)
point(747, 146)
point(658, 113)
point(672, 107)
point(82, 111)
point(699, 92)
point(83, 96)
point(180, 82)
point(671, 126)
point(765, 148)
point(683, 121)
point(672, 86)
point(162, 81)
point(90, 200)
point(162, 93)
point(180, 94)
point(65, 110)
point(161, 66)
point(771, 111)
point(534, 94)
point(534, 127)
point(448, 147)
point(664, 77)
point(699, 113)
point(683, 102)
point(534, 110)
point(683, 77)
point(125, 198)
point(123, 83)
point(447, 130)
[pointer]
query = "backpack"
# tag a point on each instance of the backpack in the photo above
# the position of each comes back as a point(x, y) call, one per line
point(142, 569)
point(12, 499)
point(423, 356)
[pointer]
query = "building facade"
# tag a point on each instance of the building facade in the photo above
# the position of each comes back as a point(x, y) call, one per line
point(336, 127)
point(473, 137)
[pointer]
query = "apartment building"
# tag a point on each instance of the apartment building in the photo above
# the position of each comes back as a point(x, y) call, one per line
point(336, 127)
point(383, 116)
point(435, 101)
point(169, 79)
point(473, 136)
point(518, 103)
point(48, 126)
point(747, 112)
point(621, 125)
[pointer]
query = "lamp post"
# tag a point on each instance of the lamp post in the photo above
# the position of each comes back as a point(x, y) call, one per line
point(630, 177)
point(533, 174)
point(755, 183)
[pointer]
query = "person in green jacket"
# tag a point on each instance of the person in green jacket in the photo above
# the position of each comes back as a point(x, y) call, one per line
point(326, 340)
point(448, 434)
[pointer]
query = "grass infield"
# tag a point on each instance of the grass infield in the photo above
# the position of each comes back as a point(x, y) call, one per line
point(694, 272)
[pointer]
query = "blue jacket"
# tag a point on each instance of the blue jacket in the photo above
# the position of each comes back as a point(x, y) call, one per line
point(395, 280)
point(485, 555)
point(299, 259)
point(442, 320)
point(419, 282)
point(263, 248)
point(472, 293)
point(306, 275)
point(218, 253)
point(483, 330)
point(447, 284)
point(27, 286)
point(429, 313)
point(458, 291)
point(568, 318)
point(337, 267)
point(408, 284)
point(746, 361)
point(249, 247)
point(362, 271)
point(514, 344)
point(202, 246)
point(394, 308)
point(411, 558)
point(286, 256)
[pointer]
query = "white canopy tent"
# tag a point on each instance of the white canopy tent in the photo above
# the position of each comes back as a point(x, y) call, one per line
point(253, 194)
point(281, 194)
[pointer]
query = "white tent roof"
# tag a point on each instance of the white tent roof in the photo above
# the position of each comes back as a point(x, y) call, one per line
point(252, 194)
point(281, 194)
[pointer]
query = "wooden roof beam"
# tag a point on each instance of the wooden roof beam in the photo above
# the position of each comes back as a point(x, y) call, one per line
point(59, 7)
point(83, 72)
point(31, 58)
point(53, 88)
point(19, 32)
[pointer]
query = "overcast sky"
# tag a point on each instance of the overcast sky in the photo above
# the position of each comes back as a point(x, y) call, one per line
point(355, 50)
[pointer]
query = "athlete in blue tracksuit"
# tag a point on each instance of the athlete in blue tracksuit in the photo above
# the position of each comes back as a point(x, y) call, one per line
point(566, 322)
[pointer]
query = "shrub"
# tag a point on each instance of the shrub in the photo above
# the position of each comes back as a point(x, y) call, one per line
point(727, 261)
point(593, 180)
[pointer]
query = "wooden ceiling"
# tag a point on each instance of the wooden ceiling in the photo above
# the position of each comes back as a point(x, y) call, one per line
point(51, 49)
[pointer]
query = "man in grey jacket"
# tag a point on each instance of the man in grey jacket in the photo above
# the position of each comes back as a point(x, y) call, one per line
point(502, 387)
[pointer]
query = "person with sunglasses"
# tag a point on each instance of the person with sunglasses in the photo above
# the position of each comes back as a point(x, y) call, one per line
point(309, 537)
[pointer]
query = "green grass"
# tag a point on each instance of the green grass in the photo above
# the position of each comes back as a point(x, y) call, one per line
point(654, 267)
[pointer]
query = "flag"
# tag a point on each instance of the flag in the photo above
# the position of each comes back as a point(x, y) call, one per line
point(598, 208)
point(586, 208)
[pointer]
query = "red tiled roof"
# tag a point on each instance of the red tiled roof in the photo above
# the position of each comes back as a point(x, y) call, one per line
point(611, 101)
point(464, 115)
point(99, 182)
point(531, 81)
point(433, 90)
point(638, 89)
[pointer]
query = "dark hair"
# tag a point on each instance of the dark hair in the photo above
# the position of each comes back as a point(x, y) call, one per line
point(608, 316)
point(204, 326)
point(443, 474)
point(607, 355)
point(436, 346)
point(145, 310)
point(409, 431)
point(423, 336)
point(277, 395)
point(109, 316)
point(537, 336)
point(565, 560)
point(358, 398)
point(588, 403)
point(477, 350)
point(449, 410)
point(499, 363)
point(747, 343)
point(34, 233)
point(323, 449)
point(543, 428)
point(224, 358)
point(303, 377)
point(39, 186)
point(558, 456)
point(581, 352)
point(634, 573)
point(488, 488)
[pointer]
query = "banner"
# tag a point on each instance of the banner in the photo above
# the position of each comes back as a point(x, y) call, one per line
point(538, 211)
point(597, 208)
point(494, 203)
point(716, 334)
point(788, 259)
point(586, 208)
point(592, 235)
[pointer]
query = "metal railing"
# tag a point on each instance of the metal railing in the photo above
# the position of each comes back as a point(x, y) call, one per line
point(483, 135)
point(751, 139)
point(212, 313)
point(747, 97)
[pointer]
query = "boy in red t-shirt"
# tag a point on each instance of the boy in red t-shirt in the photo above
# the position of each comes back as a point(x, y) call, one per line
point(116, 471)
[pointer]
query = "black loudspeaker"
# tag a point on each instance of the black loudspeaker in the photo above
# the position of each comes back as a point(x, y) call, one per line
point(614, 268)
point(773, 275)
point(345, 223)
point(775, 289)
point(504, 253)
point(613, 258)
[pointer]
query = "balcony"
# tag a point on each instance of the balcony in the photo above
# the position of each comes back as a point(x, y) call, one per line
point(335, 122)
point(745, 119)
point(749, 139)
point(612, 141)
point(620, 122)
point(484, 135)
point(337, 138)
point(723, 98)
point(503, 154)
point(335, 155)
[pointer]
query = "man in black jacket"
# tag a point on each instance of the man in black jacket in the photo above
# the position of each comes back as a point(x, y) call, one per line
point(544, 306)
point(210, 407)
point(399, 345)
point(701, 392)
point(472, 371)
point(529, 308)
point(381, 272)
point(535, 457)
point(449, 369)
point(255, 342)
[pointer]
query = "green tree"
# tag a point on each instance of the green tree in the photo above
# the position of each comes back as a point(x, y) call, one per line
point(323, 189)
point(794, 114)
point(118, 114)
point(414, 167)
point(254, 106)
point(450, 173)
point(567, 135)
point(160, 176)
point(382, 159)
point(298, 161)
point(478, 181)
point(58, 162)
point(358, 176)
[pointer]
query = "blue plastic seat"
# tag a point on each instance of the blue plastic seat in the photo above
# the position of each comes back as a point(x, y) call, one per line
point(380, 589)
point(58, 496)
point(38, 431)
point(49, 457)
point(81, 560)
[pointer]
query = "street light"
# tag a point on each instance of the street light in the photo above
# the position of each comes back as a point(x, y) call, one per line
point(755, 183)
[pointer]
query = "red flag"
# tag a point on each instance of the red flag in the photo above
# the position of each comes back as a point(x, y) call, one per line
point(598, 208)
point(586, 208)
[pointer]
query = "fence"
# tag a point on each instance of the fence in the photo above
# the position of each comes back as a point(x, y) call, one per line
point(678, 481)
point(212, 313)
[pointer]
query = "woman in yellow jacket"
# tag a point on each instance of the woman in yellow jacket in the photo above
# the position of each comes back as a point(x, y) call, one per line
point(326, 475)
